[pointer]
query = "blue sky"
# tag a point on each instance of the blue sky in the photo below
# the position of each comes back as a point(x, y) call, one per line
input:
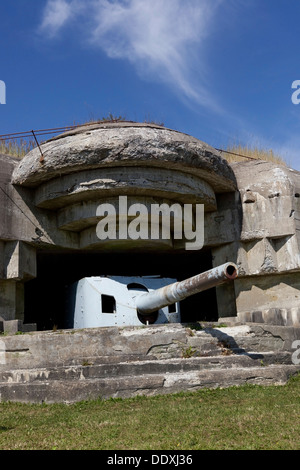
point(220, 70)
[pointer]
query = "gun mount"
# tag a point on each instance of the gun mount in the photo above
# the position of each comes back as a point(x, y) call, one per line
point(133, 301)
point(168, 295)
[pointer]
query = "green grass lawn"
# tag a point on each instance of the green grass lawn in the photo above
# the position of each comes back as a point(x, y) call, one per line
point(249, 417)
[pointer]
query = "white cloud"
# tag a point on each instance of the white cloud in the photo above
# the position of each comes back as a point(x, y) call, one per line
point(56, 14)
point(163, 39)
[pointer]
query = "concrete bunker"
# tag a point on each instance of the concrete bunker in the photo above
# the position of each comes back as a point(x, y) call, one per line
point(49, 241)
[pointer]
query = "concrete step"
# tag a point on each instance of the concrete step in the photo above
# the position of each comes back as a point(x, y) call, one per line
point(75, 365)
point(114, 345)
point(144, 367)
point(71, 391)
point(150, 377)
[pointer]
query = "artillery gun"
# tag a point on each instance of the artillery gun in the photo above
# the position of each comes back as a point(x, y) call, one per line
point(134, 301)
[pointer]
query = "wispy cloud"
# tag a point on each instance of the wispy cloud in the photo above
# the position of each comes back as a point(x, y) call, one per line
point(164, 40)
point(56, 14)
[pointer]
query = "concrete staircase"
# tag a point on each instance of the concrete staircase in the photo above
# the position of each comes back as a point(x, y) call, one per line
point(74, 365)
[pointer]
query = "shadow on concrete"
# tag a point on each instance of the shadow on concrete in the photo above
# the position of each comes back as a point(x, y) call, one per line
point(229, 343)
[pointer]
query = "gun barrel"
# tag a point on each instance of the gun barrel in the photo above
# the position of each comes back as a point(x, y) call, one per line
point(168, 295)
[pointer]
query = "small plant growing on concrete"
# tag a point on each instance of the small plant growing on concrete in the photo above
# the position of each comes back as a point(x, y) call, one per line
point(225, 346)
point(188, 352)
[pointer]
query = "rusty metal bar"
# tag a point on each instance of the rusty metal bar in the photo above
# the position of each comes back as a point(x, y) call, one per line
point(238, 154)
point(168, 295)
point(42, 156)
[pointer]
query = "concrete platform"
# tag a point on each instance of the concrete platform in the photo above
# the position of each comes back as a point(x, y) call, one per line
point(70, 366)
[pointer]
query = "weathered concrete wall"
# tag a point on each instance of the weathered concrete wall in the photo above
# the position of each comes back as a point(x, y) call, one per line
point(17, 261)
point(268, 291)
point(267, 252)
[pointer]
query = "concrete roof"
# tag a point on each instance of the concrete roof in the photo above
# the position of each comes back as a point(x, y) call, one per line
point(107, 145)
